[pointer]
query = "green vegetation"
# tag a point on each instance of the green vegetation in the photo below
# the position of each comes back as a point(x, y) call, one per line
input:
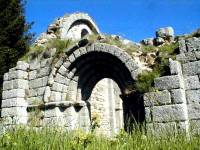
point(47, 138)
point(160, 68)
point(46, 50)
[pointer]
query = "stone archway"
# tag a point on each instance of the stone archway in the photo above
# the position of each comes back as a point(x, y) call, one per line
point(85, 67)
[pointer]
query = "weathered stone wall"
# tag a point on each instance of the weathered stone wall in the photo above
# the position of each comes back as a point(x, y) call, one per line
point(176, 103)
point(62, 95)
point(88, 79)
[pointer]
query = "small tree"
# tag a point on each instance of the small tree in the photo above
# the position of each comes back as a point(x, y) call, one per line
point(14, 35)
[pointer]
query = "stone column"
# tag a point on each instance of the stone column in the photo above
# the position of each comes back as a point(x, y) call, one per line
point(15, 89)
point(166, 109)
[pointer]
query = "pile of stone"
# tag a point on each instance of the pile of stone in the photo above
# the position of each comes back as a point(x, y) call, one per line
point(163, 35)
point(51, 33)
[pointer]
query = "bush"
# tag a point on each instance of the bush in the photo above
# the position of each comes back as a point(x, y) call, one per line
point(145, 81)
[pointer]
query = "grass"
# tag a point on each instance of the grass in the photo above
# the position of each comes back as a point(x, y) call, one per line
point(21, 138)
point(45, 51)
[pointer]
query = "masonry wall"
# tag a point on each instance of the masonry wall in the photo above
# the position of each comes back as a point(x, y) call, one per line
point(176, 103)
point(30, 97)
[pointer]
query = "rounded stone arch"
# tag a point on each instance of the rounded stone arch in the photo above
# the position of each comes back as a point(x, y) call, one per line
point(93, 63)
point(83, 68)
point(74, 24)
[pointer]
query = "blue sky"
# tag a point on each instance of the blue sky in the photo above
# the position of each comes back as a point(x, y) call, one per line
point(133, 19)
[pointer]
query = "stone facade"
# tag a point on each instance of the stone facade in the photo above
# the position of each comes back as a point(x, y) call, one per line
point(89, 79)
point(69, 91)
point(176, 102)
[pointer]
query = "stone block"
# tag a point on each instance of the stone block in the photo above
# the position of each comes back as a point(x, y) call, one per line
point(183, 127)
point(162, 129)
point(15, 93)
point(82, 50)
point(186, 57)
point(192, 82)
point(169, 113)
point(57, 87)
point(40, 91)
point(33, 93)
point(19, 74)
point(47, 94)
point(66, 64)
point(197, 54)
point(194, 111)
point(193, 96)
point(157, 98)
point(169, 82)
point(64, 97)
point(181, 57)
point(178, 96)
point(20, 84)
point(61, 79)
point(62, 70)
point(14, 102)
point(39, 82)
point(53, 121)
point(193, 44)
point(14, 111)
point(15, 84)
point(32, 74)
point(43, 72)
point(175, 67)
point(131, 65)
point(70, 74)
point(182, 46)
point(52, 112)
point(191, 68)
point(59, 62)
point(190, 56)
point(71, 58)
point(77, 53)
point(195, 126)
point(7, 85)
point(15, 120)
point(22, 66)
point(55, 96)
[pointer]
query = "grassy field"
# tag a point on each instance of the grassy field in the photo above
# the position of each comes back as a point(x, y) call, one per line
point(57, 139)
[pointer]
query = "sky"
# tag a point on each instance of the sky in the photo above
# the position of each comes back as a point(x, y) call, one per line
point(132, 19)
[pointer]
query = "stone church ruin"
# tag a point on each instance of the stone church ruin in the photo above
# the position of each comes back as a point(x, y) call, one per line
point(92, 80)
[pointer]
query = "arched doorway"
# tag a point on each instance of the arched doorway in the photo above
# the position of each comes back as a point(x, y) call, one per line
point(86, 67)
point(106, 107)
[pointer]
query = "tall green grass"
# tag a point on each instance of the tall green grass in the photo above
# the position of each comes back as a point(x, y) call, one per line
point(22, 138)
